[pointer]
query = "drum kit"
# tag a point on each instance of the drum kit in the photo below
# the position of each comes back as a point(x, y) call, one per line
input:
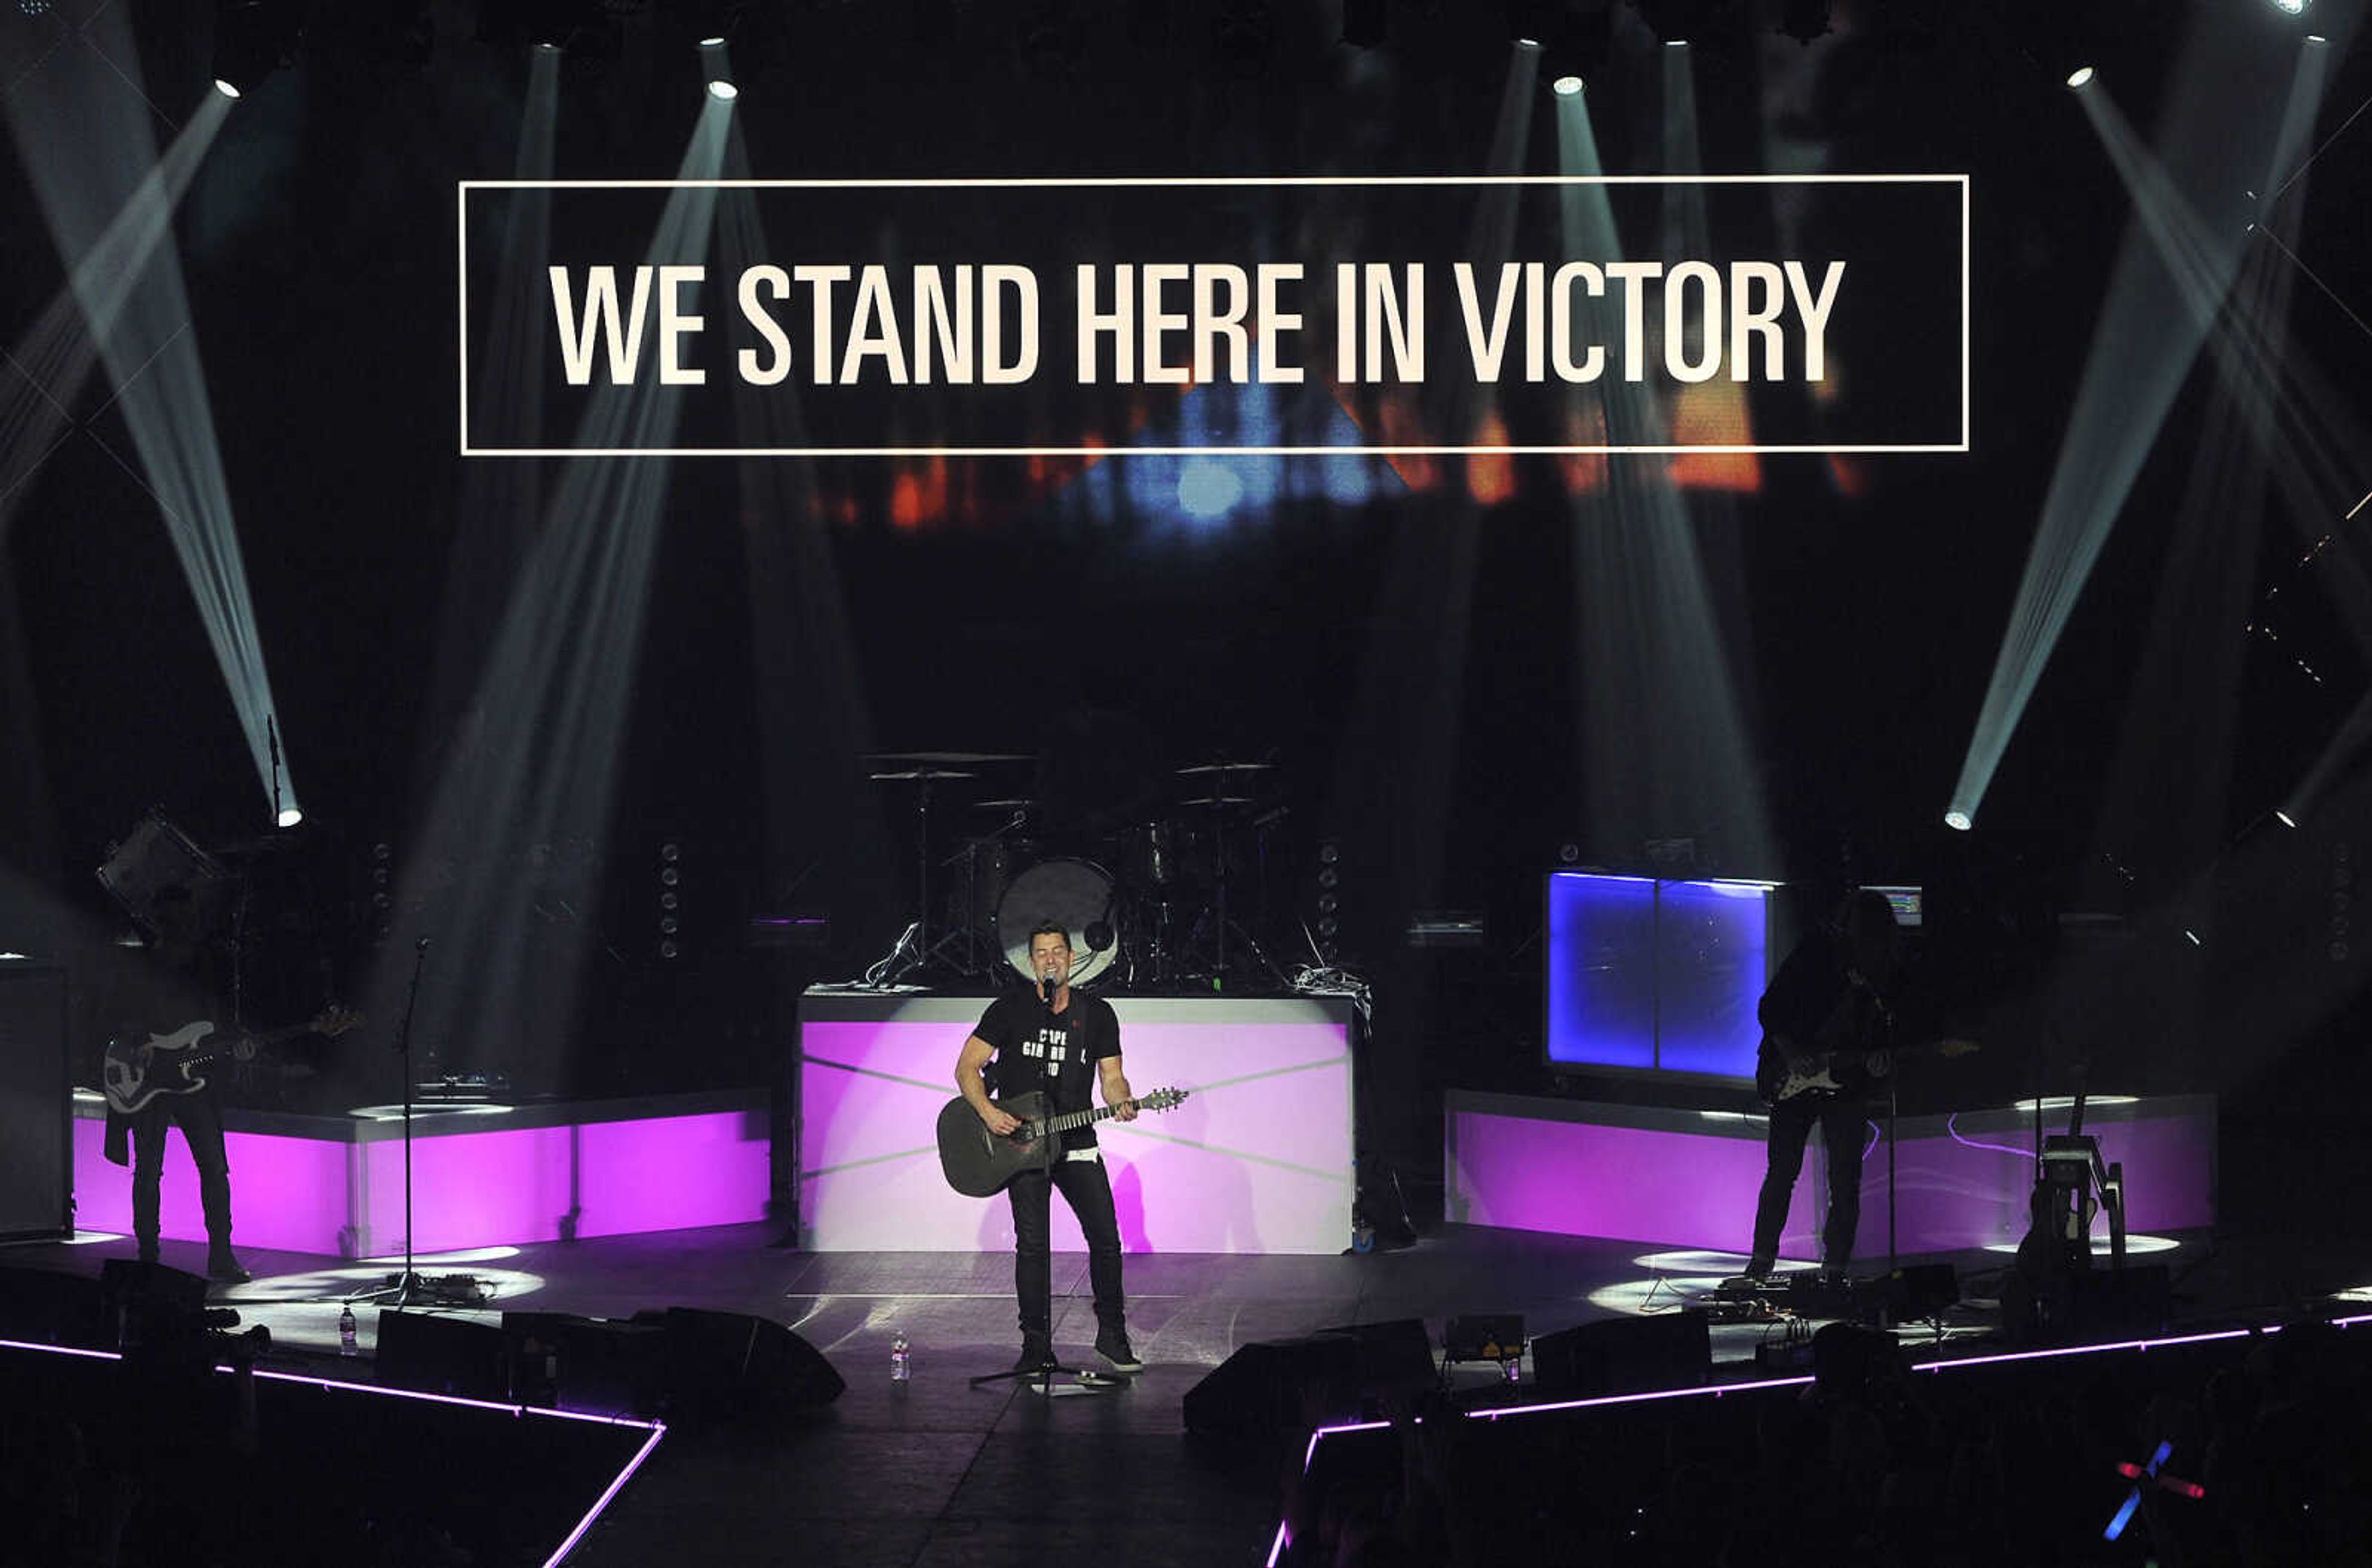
point(1146, 904)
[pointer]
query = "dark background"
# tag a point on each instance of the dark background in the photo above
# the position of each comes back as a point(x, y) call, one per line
point(1083, 619)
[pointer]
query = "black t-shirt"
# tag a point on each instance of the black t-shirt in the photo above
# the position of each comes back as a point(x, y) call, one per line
point(1055, 1052)
point(1815, 1002)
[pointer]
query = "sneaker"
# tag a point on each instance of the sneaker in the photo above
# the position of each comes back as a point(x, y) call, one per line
point(1036, 1353)
point(224, 1267)
point(1113, 1346)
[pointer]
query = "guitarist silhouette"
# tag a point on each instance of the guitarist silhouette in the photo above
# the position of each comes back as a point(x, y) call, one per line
point(1827, 1034)
point(148, 1011)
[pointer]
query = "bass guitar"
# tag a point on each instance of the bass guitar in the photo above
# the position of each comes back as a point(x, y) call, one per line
point(138, 1071)
point(977, 1163)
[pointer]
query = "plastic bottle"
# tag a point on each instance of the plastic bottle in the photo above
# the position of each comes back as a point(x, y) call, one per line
point(346, 1329)
point(900, 1363)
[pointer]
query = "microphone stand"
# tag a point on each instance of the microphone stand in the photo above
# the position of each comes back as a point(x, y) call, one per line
point(408, 1289)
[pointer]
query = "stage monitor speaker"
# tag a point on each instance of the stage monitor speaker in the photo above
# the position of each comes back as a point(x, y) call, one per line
point(36, 1103)
point(43, 1306)
point(588, 1364)
point(1626, 1355)
point(715, 1366)
point(1260, 1390)
point(437, 1355)
point(1919, 1291)
point(1351, 1370)
point(2081, 1305)
point(1392, 1356)
point(153, 1310)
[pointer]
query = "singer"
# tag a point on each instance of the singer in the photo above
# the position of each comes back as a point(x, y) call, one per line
point(1054, 1039)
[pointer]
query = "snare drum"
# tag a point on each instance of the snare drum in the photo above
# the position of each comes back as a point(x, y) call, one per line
point(1075, 893)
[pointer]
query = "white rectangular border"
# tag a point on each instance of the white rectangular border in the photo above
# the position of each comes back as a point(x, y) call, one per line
point(463, 187)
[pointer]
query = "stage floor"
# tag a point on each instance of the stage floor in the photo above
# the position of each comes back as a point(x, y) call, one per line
point(943, 1476)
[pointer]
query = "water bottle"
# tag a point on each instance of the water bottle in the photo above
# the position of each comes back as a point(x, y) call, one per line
point(900, 1365)
point(346, 1329)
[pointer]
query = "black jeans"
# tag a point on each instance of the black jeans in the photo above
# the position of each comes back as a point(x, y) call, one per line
point(1840, 1120)
point(200, 1120)
point(1087, 1190)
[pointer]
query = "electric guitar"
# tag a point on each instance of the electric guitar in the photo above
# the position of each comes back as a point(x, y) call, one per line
point(1846, 1070)
point(977, 1163)
point(138, 1071)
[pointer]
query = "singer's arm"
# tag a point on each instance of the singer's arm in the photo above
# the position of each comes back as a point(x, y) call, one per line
point(1115, 1087)
point(974, 1056)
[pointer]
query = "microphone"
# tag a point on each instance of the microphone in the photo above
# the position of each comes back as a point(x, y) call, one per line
point(1046, 988)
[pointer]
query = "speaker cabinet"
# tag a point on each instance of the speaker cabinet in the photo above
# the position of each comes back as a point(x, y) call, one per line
point(437, 1354)
point(1259, 1390)
point(36, 1103)
point(43, 1306)
point(730, 1365)
point(1626, 1355)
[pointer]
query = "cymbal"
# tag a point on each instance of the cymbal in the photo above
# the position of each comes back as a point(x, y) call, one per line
point(1225, 768)
point(921, 773)
point(949, 759)
point(1218, 800)
point(1004, 805)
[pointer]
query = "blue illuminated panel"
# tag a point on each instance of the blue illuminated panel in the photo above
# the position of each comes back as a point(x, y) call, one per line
point(1601, 969)
point(1655, 975)
point(1710, 947)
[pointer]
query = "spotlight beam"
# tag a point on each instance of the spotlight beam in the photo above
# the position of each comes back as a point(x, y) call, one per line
point(819, 812)
point(534, 765)
point(1651, 665)
point(82, 124)
point(2170, 277)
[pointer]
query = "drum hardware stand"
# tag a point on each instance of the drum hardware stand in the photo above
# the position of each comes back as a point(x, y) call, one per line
point(919, 951)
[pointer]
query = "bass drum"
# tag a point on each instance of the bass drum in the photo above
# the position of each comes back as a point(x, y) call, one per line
point(1078, 894)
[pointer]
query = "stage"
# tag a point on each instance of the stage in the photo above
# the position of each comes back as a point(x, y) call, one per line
point(481, 1175)
point(936, 1472)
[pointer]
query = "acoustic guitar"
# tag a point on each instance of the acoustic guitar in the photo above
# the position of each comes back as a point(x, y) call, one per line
point(977, 1163)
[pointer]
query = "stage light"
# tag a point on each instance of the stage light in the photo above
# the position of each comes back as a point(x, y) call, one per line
point(2291, 7)
point(2079, 77)
point(252, 39)
point(290, 816)
point(1958, 820)
point(723, 90)
point(2285, 819)
point(715, 40)
point(1674, 21)
point(1565, 86)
